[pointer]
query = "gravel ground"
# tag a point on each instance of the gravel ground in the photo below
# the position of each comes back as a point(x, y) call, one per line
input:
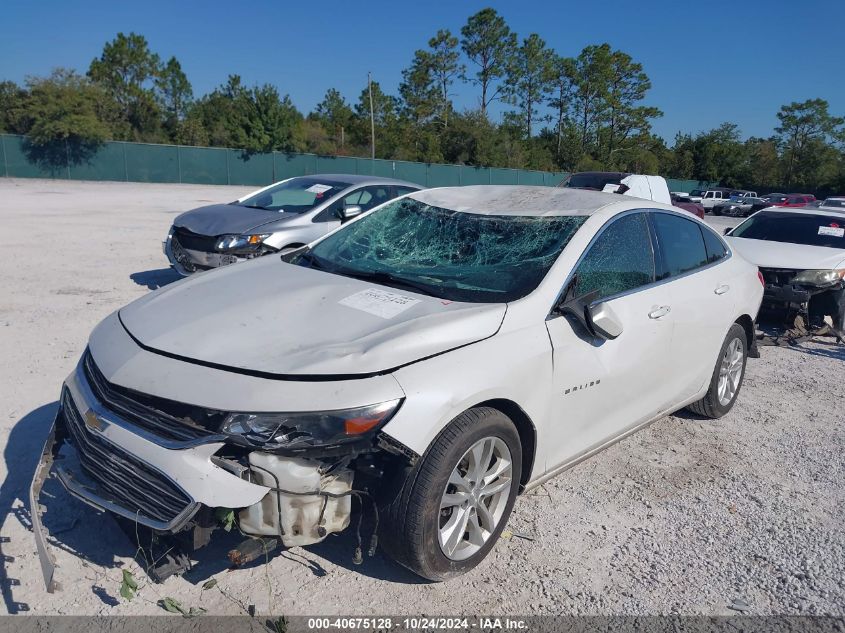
point(685, 517)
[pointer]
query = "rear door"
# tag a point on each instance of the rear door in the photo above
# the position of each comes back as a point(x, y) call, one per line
point(604, 387)
point(690, 262)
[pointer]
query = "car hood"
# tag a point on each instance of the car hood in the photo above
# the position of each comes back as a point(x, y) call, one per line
point(221, 219)
point(277, 318)
point(768, 254)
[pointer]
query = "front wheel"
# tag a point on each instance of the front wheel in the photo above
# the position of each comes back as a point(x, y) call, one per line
point(727, 377)
point(456, 501)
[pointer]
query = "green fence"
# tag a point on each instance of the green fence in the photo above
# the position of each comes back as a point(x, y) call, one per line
point(142, 162)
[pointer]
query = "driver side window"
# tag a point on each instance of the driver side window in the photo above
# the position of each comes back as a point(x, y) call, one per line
point(621, 259)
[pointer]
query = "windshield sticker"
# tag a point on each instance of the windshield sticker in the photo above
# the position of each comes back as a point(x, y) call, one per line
point(319, 189)
point(379, 302)
point(833, 231)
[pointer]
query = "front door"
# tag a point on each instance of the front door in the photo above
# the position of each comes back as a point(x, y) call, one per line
point(604, 387)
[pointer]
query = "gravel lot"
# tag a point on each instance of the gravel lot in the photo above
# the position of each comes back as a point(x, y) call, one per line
point(685, 517)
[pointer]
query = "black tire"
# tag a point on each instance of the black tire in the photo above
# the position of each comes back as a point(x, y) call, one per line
point(410, 530)
point(710, 406)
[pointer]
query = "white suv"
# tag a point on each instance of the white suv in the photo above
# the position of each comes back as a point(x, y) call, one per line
point(431, 359)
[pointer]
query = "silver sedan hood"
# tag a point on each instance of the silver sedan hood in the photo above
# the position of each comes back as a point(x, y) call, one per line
point(222, 219)
point(271, 317)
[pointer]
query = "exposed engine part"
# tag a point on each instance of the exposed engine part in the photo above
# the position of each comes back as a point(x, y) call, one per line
point(160, 555)
point(307, 502)
point(251, 549)
point(799, 333)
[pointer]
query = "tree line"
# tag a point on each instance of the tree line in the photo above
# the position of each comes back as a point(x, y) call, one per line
point(560, 113)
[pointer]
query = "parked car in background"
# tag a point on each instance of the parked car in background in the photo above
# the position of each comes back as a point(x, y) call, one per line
point(801, 255)
point(832, 203)
point(433, 358)
point(713, 196)
point(696, 194)
point(788, 200)
point(735, 196)
point(636, 185)
point(744, 206)
point(278, 218)
point(683, 201)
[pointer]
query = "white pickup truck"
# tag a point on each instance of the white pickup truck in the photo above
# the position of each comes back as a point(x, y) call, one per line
point(652, 188)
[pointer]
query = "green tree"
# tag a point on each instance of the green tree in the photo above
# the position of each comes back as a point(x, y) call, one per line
point(385, 115)
point(562, 85)
point(12, 106)
point(627, 86)
point(592, 77)
point(528, 80)
point(444, 60)
point(61, 119)
point(126, 70)
point(805, 129)
point(335, 115)
point(174, 95)
point(489, 44)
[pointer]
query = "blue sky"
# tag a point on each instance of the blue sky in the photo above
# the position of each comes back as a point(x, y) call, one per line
point(709, 62)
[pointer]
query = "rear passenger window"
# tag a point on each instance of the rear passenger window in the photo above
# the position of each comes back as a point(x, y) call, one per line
point(681, 242)
point(714, 246)
point(621, 259)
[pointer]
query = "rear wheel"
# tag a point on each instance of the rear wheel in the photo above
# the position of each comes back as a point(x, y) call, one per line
point(727, 377)
point(457, 499)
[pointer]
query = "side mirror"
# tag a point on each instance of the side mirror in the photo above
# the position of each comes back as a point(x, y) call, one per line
point(603, 321)
point(349, 212)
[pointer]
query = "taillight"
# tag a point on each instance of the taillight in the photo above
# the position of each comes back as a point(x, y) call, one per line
point(760, 277)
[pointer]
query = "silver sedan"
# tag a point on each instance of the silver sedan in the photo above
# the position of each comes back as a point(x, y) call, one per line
point(278, 218)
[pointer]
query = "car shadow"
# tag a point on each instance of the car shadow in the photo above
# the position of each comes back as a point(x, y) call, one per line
point(155, 279)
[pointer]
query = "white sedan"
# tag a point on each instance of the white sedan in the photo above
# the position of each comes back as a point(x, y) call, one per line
point(431, 359)
point(801, 255)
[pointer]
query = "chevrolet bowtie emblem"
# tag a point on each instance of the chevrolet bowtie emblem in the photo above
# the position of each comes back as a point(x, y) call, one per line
point(92, 421)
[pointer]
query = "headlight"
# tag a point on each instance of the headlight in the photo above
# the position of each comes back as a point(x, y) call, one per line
point(819, 277)
point(304, 430)
point(241, 242)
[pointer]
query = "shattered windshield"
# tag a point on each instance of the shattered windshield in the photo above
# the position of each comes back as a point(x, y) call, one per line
point(448, 254)
point(297, 195)
point(794, 228)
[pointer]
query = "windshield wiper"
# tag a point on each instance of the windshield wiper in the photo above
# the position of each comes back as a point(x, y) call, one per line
point(254, 206)
point(389, 279)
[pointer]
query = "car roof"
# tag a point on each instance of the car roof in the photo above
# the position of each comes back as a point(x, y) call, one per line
point(359, 179)
point(525, 200)
point(826, 211)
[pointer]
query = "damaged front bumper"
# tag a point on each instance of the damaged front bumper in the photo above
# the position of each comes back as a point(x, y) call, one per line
point(166, 485)
point(805, 307)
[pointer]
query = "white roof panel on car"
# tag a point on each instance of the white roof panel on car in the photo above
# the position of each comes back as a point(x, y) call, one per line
point(517, 200)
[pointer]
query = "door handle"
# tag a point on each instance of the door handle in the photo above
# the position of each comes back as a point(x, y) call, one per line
point(662, 311)
point(720, 290)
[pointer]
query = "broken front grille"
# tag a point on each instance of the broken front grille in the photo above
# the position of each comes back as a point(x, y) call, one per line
point(778, 276)
point(164, 418)
point(122, 478)
point(195, 241)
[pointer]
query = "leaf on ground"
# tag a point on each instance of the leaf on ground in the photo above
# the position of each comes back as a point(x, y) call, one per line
point(128, 586)
point(172, 605)
point(209, 584)
point(506, 534)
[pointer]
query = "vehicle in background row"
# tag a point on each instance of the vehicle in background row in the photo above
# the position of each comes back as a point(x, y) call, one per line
point(790, 200)
point(279, 218)
point(832, 203)
point(744, 206)
point(683, 201)
point(734, 196)
point(431, 359)
point(635, 185)
point(696, 195)
point(712, 196)
point(801, 255)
